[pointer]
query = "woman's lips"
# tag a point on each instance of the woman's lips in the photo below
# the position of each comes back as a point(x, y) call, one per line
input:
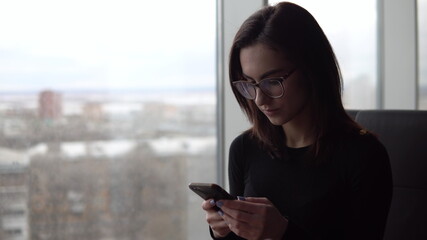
point(270, 112)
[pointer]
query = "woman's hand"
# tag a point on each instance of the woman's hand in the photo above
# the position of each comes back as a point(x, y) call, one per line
point(253, 218)
point(213, 217)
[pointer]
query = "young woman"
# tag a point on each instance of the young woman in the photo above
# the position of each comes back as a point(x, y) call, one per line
point(305, 169)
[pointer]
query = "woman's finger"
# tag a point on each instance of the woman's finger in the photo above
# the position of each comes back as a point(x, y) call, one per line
point(240, 228)
point(258, 200)
point(218, 225)
point(237, 215)
point(208, 204)
point(244, 206)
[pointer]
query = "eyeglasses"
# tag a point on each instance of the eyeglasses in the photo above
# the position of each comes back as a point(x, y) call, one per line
point(271, 87)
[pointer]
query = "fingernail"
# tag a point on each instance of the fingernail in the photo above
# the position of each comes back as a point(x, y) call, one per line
point(241, 198)
point(212, 202)
point(221, 213)
point(219, 204)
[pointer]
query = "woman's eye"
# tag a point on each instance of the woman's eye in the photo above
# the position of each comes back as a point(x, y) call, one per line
point(274, 82)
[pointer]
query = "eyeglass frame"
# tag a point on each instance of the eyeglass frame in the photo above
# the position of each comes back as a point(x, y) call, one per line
point(256, 85)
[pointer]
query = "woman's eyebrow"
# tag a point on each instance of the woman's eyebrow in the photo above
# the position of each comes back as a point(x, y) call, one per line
point(264, 75)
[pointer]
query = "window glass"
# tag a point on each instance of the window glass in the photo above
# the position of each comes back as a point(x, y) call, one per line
point(353, 37)
point(422, 53)
point(107, 112)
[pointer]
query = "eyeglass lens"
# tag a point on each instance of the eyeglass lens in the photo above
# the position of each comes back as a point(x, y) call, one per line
point(270, 87)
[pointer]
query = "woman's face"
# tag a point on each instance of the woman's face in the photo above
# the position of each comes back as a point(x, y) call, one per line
point(258, 62)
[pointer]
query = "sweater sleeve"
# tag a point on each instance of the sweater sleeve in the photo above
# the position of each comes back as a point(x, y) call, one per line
point(369, 182)
point(236, 166)
point(295, 232)
point(236, 177)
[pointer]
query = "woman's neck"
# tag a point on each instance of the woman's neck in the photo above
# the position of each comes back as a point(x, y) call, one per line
point(300, 130)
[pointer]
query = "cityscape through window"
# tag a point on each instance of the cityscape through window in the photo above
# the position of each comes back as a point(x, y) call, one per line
point(107, 112)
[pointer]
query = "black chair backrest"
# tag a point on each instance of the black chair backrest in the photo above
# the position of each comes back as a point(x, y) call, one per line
point(404, 134)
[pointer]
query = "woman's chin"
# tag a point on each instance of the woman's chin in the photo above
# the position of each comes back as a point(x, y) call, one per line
point(276, 121)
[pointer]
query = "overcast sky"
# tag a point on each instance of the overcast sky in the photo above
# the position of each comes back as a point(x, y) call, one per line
point(105, 44)
point(145, 44)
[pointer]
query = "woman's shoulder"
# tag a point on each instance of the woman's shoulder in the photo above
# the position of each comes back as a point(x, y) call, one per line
point(246, 142)
point(244, 139)
point(363, 146)
point(241, 149)
point(363, 139)
point(365, 161)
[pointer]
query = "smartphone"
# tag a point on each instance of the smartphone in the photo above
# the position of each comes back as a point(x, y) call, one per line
point(210, 191)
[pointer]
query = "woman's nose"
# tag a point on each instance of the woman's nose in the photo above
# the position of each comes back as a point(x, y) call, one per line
point(260, 97)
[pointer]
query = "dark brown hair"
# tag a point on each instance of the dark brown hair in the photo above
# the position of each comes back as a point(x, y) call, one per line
point(291, 29)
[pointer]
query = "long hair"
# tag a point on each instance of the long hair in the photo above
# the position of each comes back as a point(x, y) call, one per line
point(291, 29)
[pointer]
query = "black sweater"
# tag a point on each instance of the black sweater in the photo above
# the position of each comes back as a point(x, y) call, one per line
point(347, 197)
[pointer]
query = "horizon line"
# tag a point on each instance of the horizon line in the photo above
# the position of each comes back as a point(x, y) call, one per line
point(110, 90)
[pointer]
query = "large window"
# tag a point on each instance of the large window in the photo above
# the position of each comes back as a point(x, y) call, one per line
point(351, 27)
point(107, 111)
point(422, 53)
